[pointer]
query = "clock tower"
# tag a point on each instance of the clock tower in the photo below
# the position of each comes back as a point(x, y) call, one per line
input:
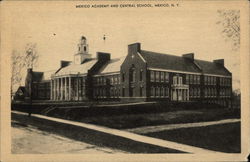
point(82, 51)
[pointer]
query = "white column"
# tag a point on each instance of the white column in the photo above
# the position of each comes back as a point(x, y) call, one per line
point(69, 88)
point(58, 92)
point(188, 94)
point(61, 89)
point(184, 95)
point(65, 88)
point(77, 88)
point(51, 89)
point(54, 89)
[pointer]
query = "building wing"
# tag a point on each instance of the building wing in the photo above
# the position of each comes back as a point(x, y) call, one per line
point(77, 68)
point(37, 76)
point(212, 68)
point(112, 66)
point(169, 62)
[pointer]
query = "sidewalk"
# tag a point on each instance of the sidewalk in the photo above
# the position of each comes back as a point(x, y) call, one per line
point(128, 135)
point(151, 129)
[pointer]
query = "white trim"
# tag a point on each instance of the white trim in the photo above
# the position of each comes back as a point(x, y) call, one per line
point(141, 57)
point(132, 97)
point(184, 72)
point(68, 75)
point(175, 71)
point(105, 74)
point(224, 76)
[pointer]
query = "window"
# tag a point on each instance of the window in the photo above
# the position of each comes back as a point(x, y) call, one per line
point(111, 80)
point(187, 79)
point(111, 92)
point(221, 81)
point(152, 91)
point(180, 80)
point(162, 76)
point(141, 75)
point(140, 91)
point(175, 80)
point(118, 92)
point(123, 92)
point(115, 92)
point(198, 92)
point(205, 80)
point(123, 77)
point(133, 75)
point(205, 92)
point(157, 76)
point(152, 76)
point(191, 92)
point(118, 79)
point(195, 80)
point(115, 79)
point(85, 48)
point(162, 91)
point(198, 79)
point(191, 79)
point(166, 77)
point(157, 92)
point(166, 91)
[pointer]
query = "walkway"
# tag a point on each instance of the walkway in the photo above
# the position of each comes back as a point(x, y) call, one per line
point(129, 135)
point(151, 129)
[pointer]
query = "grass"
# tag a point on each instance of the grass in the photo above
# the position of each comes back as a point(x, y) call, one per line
point(125, 120)
point(90, 136)
point(224, 137)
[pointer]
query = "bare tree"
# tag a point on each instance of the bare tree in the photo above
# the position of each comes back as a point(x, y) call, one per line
point(22, 61)
point(31, 56)
point(230, 26)
point(17, 66)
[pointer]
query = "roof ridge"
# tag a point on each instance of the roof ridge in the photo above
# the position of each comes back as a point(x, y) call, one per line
point(161, 53)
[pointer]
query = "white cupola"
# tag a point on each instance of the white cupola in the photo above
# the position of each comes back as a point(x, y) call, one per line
point(82, 51)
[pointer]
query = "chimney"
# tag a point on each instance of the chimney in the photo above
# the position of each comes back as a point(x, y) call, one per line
point(219, 62)
point(134, 48)
point(189, 56)
point(102, 56)
point(65, 63)
point(29, 70)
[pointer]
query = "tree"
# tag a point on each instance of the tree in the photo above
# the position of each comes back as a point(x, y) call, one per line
point(31, 56)
point(22, 61)
point(17, 66)
point(230, 26)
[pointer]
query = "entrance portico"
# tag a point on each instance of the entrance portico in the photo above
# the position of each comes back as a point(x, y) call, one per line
point(180, 93)
point(68, 88)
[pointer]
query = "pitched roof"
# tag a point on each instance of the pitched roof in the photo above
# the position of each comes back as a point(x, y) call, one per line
point(112, 66)
point(37, 76)
point(179, 63)
point(212, 68)
point(77, 68)
point(169, 62)
point(21, 88)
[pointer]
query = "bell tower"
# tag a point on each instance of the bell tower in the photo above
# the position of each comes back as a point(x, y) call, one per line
point(82, 51)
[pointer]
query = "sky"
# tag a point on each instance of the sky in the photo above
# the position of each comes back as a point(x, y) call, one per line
point(56, 29)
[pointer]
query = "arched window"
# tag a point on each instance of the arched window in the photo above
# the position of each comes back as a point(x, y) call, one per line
point(132, 74)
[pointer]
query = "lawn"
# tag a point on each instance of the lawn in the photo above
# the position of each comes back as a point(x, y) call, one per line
point(224, 137)
point(126, 121)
